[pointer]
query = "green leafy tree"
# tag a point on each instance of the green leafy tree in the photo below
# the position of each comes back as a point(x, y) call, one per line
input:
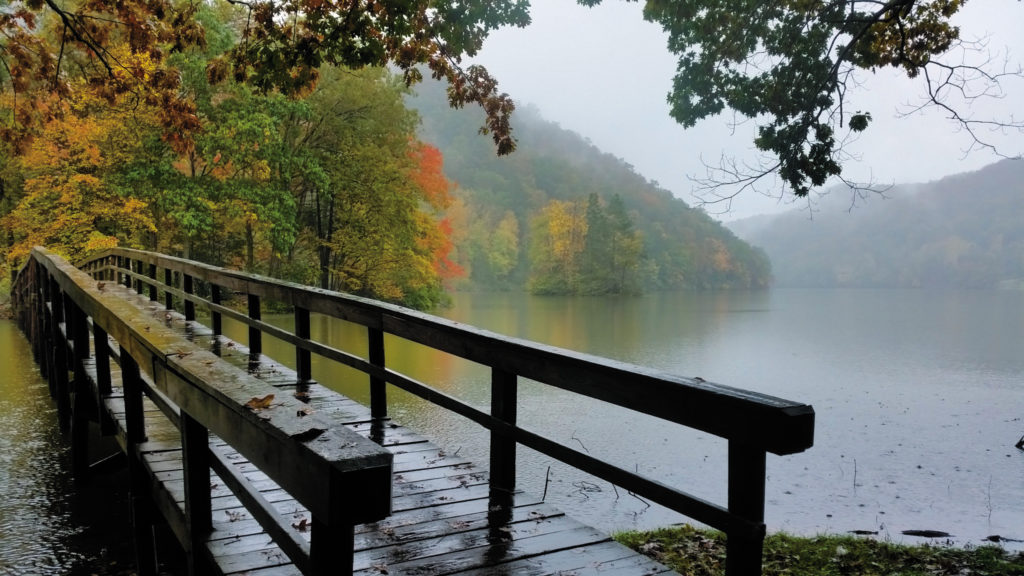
point(503, 247)
point(790, 65)
point(598, 249)
point(626, 265)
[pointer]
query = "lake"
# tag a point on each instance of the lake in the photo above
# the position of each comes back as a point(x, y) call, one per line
point(919, 398)
point(48, 525)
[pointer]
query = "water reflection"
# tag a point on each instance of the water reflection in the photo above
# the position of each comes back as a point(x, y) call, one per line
point(48, 525)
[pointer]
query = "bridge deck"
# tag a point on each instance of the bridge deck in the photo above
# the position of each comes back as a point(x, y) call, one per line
point(440, 522)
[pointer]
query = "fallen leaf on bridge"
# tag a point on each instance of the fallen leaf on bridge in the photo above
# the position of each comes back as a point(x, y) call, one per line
point(257, 404)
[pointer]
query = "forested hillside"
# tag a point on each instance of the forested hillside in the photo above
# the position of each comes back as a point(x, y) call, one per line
point(965, 231)
point(560, 216)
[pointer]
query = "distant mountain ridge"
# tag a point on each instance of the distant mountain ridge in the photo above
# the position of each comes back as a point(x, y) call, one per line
point(504, 204)
point(963, 231)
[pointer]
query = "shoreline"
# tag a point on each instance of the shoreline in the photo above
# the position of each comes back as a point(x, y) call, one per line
point(701, 552)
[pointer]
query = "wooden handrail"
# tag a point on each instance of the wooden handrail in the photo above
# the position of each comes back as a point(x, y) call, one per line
point(752, 423)
point(207, 396)
point(777, 425)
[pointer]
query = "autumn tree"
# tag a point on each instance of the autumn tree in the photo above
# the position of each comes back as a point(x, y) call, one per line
point(791, 65)
point(282, 47)
point(557, 240)
point(371, 198)
point(66, 201)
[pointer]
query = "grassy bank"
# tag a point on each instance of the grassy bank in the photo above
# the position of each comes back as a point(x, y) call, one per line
point(694, 552)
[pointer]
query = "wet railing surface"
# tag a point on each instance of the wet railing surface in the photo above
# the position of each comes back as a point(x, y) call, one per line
point(753, 424)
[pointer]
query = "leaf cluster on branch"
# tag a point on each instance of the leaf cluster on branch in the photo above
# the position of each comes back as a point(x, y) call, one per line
point(789, 65)
point(283, 45)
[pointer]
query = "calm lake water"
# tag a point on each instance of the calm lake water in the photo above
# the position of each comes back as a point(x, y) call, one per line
point(48, 525)
point(919, 398)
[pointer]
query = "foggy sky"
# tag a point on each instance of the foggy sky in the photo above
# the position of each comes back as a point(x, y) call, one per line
point(604, 73)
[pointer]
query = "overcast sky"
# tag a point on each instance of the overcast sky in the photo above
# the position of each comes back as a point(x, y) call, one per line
point(604, 73)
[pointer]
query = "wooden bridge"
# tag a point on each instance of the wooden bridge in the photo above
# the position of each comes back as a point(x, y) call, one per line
point(258, 469)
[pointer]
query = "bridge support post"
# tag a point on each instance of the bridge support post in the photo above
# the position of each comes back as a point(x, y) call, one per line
point(503, 448)
point(332, 542)
point(78, 332)
point(135, 432)
point(140, 286)
point(303, 361)
point(746, 498)
point(152, 285)
point(378, 386)
point(38, 303)
point(215, 320)
point(255, 335)
point(169, 282)
point(124, 264)
point(195, 444)
point(101, 347)
point(59, 352)
point(188, 288)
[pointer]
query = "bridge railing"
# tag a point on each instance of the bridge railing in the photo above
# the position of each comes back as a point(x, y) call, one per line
point(754, 424)
point(342, 478)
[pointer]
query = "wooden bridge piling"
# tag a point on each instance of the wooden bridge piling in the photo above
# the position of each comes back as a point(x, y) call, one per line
point(214, 406)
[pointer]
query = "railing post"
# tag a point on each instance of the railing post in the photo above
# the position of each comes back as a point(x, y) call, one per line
point(332, 542)
point(195, 444)
point(187, 286)
point(746, 498)
point(503, 448)
point(378, 386)
point(168, 282)
point(101, 346)
point(59, 349)
point(124, 265)
point(215, 321)
point(152, 285)
point(135, 434)
point(39, 316)
point(255, 335)
point(303, 364)
point(78, 332)
point(139, 286)
point(131, 382)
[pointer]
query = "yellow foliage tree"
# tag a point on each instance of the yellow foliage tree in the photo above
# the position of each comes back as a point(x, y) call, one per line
point(66, 204)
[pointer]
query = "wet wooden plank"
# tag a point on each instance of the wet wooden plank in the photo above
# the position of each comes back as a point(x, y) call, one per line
point(595, 559)
point(396, 531)
point(476, 549)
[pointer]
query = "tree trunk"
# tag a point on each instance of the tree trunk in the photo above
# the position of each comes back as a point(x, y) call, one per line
point(249, 241)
